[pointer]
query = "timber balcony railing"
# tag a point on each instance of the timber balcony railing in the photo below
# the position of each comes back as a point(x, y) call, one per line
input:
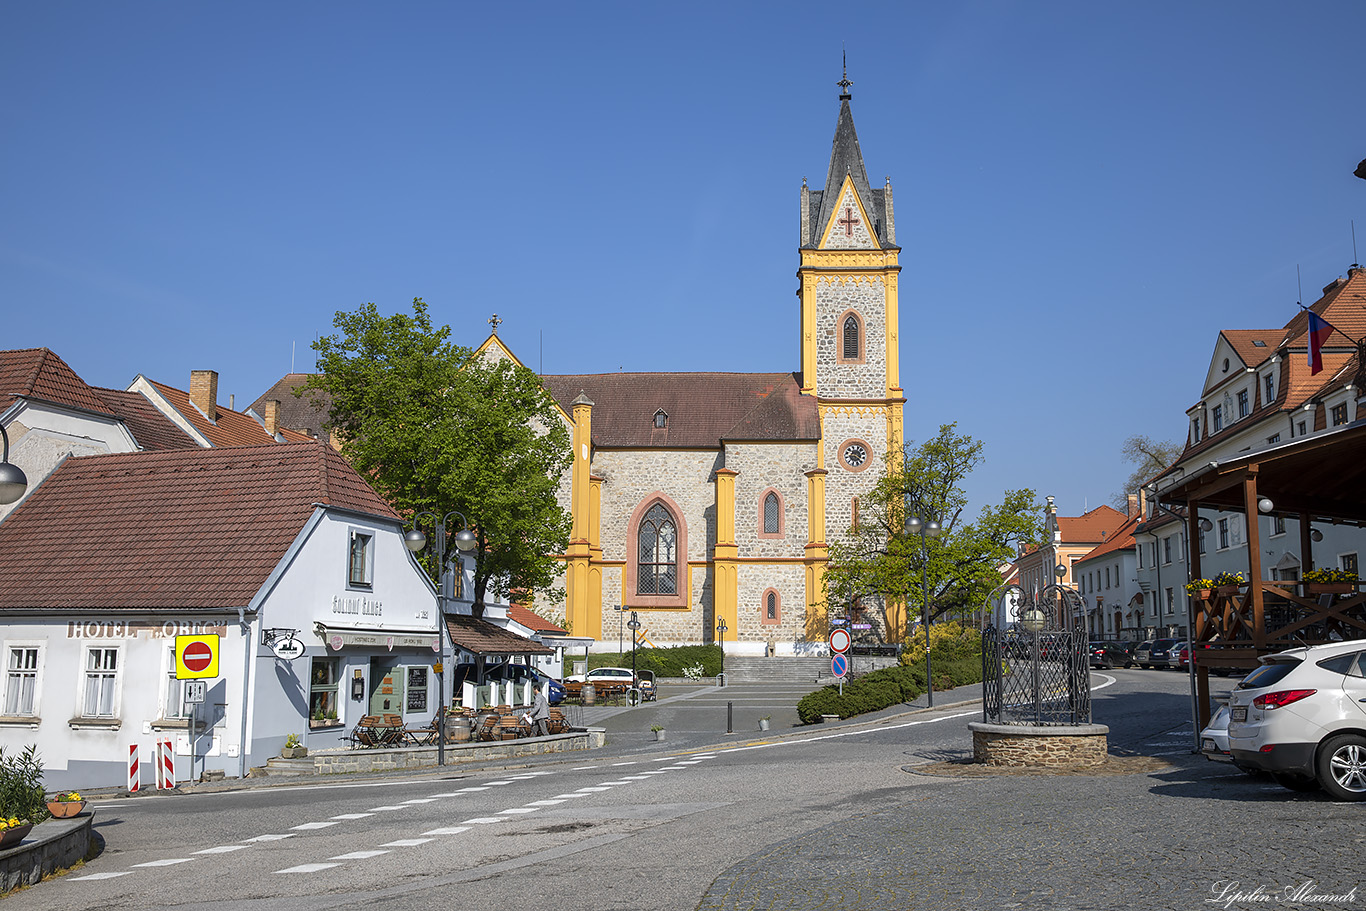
point(1234, 624)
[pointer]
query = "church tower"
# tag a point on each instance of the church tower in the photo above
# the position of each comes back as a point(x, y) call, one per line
point(847, 284)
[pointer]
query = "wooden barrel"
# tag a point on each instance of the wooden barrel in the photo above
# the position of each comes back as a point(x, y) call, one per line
point(458, 730)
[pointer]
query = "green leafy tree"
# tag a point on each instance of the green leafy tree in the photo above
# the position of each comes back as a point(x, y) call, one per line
point(1150, 458)
point(434, 428)
point(878, 562)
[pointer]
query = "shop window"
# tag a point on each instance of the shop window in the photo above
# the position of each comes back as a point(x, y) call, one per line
point(323, 702)
point(417, 688)
point(101, 683)
point(361, 560)
point(21, 680)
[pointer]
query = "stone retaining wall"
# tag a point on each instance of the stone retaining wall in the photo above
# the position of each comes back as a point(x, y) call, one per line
point(1051, 747)
point(51, 846)
point(424, 757)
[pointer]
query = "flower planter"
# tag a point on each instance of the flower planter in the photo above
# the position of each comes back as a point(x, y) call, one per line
point(1203, 594)
point(659, 735)
point(1330, 588)
point(65, 809)
point(1225, 591)
point(293, 752)
point(11, 837)
point(763, 724)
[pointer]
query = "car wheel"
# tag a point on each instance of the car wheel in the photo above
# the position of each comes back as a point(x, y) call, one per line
point(1342, 767)
point(1295, 782)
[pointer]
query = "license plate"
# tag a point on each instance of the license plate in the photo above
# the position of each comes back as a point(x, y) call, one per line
point(1207, 745)
point(1238, 713)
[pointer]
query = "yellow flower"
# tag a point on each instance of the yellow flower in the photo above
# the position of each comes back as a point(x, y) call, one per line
point(73, 796)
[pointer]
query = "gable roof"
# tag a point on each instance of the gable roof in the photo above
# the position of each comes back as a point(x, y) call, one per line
point(703, 409)
point(847, 158)
point(151, 429)
point(232, 428)
point(534, 621)
point(297, 412)
point(38, 373)
point(185, 530)
point(1095, 525)
point(483, 638)
point(1122, 538)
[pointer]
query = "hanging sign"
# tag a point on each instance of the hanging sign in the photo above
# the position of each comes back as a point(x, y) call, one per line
point(287, 649)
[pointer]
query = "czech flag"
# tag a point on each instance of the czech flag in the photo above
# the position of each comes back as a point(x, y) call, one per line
point(1319, 330)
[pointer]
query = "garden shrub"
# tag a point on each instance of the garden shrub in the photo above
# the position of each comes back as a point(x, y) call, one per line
point(21, 785)
point(893, 685)
point(665, 662)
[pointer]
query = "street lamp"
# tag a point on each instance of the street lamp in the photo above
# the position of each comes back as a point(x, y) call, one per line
point(12, 480)
point(465, 542)
point(721, 640)
point(931, 529)
point(634, 625)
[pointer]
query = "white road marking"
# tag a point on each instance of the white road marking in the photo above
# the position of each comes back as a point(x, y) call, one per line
point(635, 778)
point(632, 762)
point(591, 790)
point(580, 768)
point(405, 843)
point(564, 796)
point(448, 830)
point(77, 879)
point(306, 826)
point(353, 815)
point(545, 803)
point(656, 772)
point(689, 761)
point(447, 794)
point(223, 849)
point(421, 800)
point(484, 820)
point(170, 861)
point(495, 783)
point(272, 837)
point(522, 777)
point(470, 790)
point(384, 809)
point(308, 868)
point(358, 855)
point(519, 810)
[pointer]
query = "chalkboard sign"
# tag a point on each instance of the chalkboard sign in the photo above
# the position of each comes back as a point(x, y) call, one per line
point(417, 689)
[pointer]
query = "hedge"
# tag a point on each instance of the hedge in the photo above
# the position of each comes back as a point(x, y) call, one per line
point(665, 662)
point(888, 687)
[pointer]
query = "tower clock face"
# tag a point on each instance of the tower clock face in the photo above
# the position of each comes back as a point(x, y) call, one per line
point(854, 455)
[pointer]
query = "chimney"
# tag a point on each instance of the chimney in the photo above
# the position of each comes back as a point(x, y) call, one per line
point(272, 417)
point(204, 392)
point(1133, 505)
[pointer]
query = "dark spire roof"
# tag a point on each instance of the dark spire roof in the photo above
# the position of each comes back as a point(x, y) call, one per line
point(846, 158)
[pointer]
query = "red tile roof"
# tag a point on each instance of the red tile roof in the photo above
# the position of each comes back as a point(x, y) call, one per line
point(183, 530)
point(152, 430)
point(483, 638)
point(1096, 525)
point(703, 409)
point(37, 373)
point(296, 412)
point(534, 621)
point(1121, 538)
point(233, 428)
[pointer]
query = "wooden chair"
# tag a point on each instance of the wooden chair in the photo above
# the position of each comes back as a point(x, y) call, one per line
point(558, 724)
point(487, 727)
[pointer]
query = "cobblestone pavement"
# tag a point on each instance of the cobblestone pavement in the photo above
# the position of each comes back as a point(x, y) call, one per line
point(1171, 839)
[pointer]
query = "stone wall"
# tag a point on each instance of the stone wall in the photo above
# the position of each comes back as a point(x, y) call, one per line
point(51, 846)
point(866, 296)
point(380, 760)
point(1055, 747)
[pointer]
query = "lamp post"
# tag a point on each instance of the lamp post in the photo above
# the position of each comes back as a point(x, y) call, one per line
point(721, 640)
point(12, 480)
point(634, 625)
point(465, 542)
point(930, 529)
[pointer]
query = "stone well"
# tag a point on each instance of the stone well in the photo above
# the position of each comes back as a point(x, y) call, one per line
point(1062, 746)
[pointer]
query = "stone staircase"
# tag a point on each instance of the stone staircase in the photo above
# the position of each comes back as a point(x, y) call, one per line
point(283, 768)
point(744, 669)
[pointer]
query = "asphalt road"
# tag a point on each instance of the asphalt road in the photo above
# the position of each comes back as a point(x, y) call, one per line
point(830, 817)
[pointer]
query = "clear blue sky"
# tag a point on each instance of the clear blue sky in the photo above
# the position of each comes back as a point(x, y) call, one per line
point(1085, 192)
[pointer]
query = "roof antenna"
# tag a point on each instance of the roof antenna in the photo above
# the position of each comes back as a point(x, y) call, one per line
point(844, 82)
point(1355, 261)
point(1298, 285)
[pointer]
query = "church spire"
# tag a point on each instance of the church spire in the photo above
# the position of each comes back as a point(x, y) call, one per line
point(846, 160)
point(844, 82)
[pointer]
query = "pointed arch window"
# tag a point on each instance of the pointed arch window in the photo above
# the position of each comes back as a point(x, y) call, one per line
point(771, 514)
point(851, 338)
point(657, 568)
point(770, 608)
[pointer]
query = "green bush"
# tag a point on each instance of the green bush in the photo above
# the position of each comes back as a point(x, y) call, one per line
point(665, 662)
point(889, 686)
point(21, 785)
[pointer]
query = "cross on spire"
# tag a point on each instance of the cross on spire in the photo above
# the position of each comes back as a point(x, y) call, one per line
point(849, 220)
point(844, 82)
point(494, 321)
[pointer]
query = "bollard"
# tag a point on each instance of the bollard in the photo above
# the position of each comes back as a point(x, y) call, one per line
point(730, 717)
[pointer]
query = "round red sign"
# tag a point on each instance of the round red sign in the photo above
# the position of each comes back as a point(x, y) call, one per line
point(197, 656)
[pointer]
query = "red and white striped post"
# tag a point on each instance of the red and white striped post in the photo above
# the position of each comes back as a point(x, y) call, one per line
point(133, 776)
point(165, 765)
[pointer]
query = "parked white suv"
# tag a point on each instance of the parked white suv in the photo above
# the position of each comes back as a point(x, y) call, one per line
point(1302, 717)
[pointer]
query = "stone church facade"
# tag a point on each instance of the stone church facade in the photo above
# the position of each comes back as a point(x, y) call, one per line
point(702, 500)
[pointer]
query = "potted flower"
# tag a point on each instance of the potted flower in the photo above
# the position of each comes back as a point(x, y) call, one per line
point(763, 722)
point(65, 805)
point(1330, 581)
point(658, 730)
point(1201, 588)
point(1227, 583)
point(294, 749)
point(13, 830)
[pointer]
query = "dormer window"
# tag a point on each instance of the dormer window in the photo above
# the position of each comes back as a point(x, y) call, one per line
point(1242, 403)
point(1218, 418)
point(1195, 429)
point(1270, 380)
point(661, 419)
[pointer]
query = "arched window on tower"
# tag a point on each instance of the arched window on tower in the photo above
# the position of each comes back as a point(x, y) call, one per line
point(657, 567)
point(851, 338)
point(772, 514)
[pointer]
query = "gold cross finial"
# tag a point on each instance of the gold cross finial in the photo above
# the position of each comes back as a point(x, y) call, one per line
point(494, 321)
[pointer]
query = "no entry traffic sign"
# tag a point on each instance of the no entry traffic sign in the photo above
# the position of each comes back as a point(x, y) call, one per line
point(196, 657)
point(839, 640)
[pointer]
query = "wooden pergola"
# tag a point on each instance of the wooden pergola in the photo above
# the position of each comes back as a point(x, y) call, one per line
point(1320, 479)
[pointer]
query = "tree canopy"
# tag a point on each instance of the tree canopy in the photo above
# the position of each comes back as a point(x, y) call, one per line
point(878, 560)
point(1150, 458)
point(435, 428)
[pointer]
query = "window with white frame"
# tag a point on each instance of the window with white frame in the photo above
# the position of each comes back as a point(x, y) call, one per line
point(21, 679)
point(1339, 414)
point(1195, 430)
point(1167, 549)
point(1223, 533)
point(1270, 396)
point(173, 696)
point(1273, 439)
point(1139, 551)
point(1300, 428)
point(1243, 409)
point(1171, 605)
point(323, 704)
point(360, 559)
point(101, 683)
point(1218, 418)
point(1278, 525)
point(1348, 562)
